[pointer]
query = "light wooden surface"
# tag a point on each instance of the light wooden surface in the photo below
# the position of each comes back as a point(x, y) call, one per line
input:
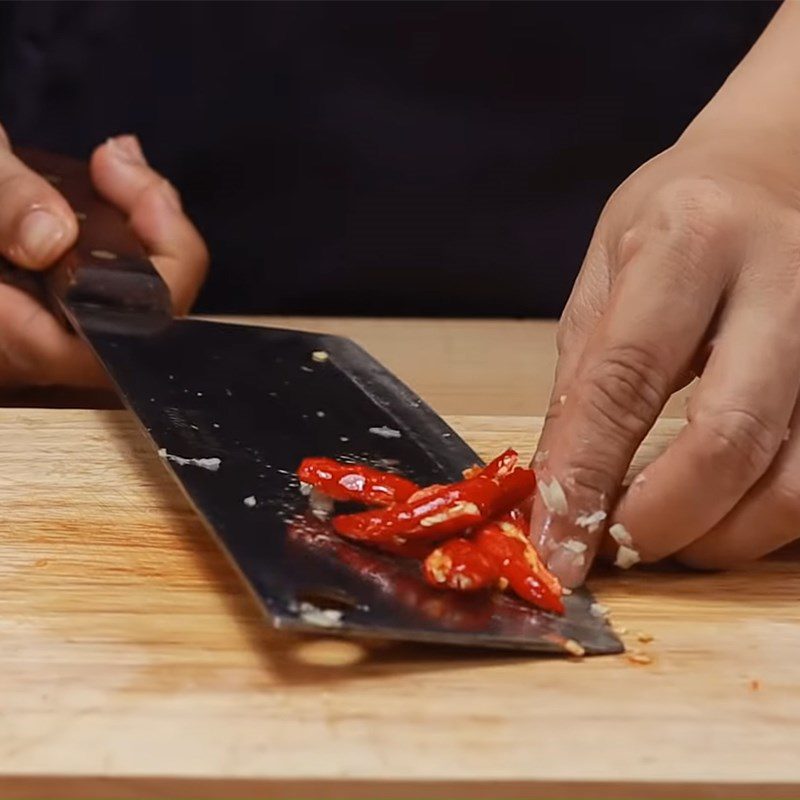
point(466, 366)
point(133, 664)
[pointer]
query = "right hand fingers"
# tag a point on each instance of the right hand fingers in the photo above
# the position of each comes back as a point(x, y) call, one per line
point(36, 223)
point(659, 309)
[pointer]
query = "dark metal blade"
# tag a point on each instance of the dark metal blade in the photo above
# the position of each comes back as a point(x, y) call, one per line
point(256, 399)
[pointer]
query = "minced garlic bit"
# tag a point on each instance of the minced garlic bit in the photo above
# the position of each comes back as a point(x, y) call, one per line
point(321, 504)
point(591, 521)
point(562, 399)
point(211, 464)
point(638, 657)
point(619, 630)
point(462, 582)
point(439, 565)
point(644, 638)
point(566, 590)
point(250, 502)
point(553, 496)
point(619, 533)
point(459, 509)
point(573, 648)
point(319, 356)
point(598, 610)
point(386, 432)
point(626, 557)
point(574, 546)
point(104, 255)
point(321, 617)
point(305, 488)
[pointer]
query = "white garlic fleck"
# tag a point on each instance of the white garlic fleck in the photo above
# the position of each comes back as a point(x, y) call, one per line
point(620, 534)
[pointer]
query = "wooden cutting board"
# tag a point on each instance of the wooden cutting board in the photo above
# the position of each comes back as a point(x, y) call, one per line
point(133, 664)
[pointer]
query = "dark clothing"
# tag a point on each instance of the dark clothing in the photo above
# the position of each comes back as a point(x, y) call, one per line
point(377, 158)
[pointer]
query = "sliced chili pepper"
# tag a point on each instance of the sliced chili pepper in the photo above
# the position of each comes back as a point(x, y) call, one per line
point(425, 491)
point(460, 564)
point(356, 482)
point(447, 511)
point(500, 467)
point(517, 525)
point(516, 560)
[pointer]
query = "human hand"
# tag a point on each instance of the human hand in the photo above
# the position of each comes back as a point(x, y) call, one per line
point(37, 226)
point(694, 269)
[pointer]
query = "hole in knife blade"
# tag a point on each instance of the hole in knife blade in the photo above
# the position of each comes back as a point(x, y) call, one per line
point(328, 598)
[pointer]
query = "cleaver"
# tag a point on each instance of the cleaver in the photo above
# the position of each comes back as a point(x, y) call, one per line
point(232, 410)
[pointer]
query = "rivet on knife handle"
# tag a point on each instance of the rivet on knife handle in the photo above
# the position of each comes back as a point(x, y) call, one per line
point(107, 269)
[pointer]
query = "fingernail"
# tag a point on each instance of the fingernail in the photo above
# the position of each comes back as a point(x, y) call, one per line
point(40, 234)
point(127, 149)
point(569, 567)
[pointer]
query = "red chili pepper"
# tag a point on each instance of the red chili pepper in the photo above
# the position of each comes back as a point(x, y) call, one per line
point(502, 465)
point(516, 559)
point(447, 511)
point(425, 491)
point(356, 482)
point(459, 564)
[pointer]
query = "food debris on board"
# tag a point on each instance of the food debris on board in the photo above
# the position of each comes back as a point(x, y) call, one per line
point(321, 617)
point(211, 464)
point(471, 535)
point(385, 432)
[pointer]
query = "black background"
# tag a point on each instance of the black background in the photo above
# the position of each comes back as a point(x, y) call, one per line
point(377, 158)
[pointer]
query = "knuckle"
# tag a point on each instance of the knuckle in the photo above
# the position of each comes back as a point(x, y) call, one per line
point(738, 439)
point(698, 212)
point(624, 391)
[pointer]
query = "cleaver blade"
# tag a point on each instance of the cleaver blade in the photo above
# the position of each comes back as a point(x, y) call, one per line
point(233, 409)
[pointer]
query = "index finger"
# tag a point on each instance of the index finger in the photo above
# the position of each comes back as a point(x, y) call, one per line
point(659, 311)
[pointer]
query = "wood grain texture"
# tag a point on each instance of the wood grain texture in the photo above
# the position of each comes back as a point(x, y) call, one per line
point(460, 366)
point(134, 664)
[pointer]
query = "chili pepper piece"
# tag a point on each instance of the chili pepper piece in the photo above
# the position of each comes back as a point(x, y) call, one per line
point(445, 512)
point(459, 564)
point(502, 465)
point(425, 491)
point(358, 482)
point(517, 561)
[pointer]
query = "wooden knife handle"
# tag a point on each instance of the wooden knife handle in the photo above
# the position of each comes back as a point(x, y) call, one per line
point(107, 267)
